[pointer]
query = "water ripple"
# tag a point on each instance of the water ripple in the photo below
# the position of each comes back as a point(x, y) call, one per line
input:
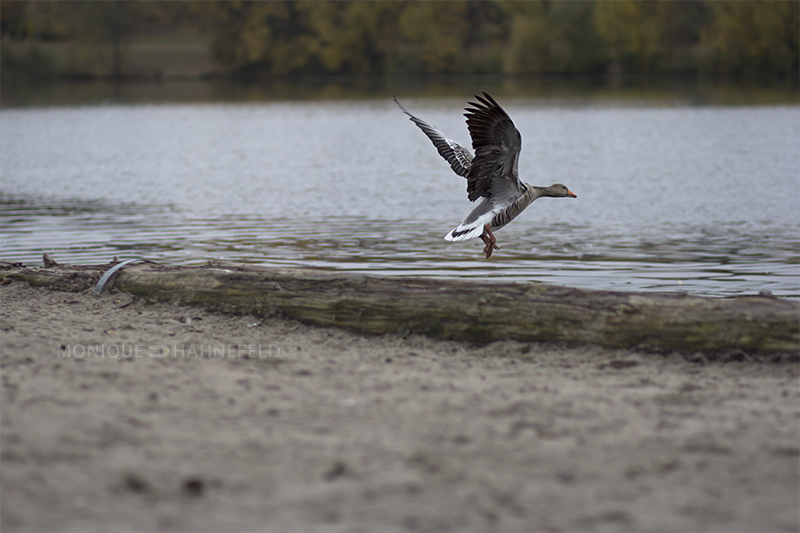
point(729, 264)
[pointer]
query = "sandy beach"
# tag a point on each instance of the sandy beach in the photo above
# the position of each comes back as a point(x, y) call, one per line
point(123, 415)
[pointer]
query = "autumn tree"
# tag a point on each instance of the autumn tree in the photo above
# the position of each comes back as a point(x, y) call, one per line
point(363, 37)
point(756, 38)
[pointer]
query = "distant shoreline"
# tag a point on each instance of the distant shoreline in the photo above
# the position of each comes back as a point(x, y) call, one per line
point(659, 89)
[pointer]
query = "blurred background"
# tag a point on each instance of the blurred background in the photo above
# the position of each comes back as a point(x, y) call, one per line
point(265, 132)
point(389, 42)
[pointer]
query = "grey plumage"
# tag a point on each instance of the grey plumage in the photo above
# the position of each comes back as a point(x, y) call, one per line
point(460, 158)
point(492, 174)
point(497, 143)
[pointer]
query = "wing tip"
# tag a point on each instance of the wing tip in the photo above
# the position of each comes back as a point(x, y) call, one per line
point(396, 101)
point(486, 106)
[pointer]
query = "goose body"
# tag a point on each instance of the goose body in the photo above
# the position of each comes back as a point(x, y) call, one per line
point(492, 173)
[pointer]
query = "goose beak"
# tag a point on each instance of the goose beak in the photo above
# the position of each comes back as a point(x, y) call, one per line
point(571, 194)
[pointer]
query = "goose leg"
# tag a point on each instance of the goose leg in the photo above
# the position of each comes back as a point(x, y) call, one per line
point(489, 240)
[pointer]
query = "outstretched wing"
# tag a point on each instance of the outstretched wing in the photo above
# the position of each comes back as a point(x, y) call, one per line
point(460, 158)
point(497, 144)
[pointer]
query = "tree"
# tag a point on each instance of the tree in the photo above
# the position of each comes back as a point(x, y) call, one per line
point(632, 30)
point(756, 38)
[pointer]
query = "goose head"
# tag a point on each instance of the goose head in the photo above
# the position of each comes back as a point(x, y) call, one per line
point(557, 190)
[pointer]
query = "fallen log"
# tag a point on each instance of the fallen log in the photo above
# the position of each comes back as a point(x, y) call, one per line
point(454, 309)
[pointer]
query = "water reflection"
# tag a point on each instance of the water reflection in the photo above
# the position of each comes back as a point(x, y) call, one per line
point(581, 91)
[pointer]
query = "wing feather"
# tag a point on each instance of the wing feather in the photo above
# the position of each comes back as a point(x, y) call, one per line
point(494, 172)
point(460, 158)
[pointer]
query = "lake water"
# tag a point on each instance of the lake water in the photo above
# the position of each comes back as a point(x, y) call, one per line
point(672, 195)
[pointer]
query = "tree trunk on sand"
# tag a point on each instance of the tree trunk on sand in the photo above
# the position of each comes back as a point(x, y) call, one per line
point(455, 309)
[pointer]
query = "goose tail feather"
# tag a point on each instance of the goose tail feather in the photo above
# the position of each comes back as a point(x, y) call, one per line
point(465, 232)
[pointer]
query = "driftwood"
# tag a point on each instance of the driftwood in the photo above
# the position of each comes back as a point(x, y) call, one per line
point(454, 309)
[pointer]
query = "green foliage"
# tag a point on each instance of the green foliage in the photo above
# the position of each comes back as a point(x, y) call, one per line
point(28, 59)
point(631, 29)
point(359, 37)
point(553, 37)
point(756, 38)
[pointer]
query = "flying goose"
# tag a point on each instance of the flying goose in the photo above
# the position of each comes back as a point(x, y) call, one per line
point(492, 174)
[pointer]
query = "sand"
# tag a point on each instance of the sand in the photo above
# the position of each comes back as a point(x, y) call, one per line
point(119, 415)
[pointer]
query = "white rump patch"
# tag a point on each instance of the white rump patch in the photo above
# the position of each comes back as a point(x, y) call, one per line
point(474, 229)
